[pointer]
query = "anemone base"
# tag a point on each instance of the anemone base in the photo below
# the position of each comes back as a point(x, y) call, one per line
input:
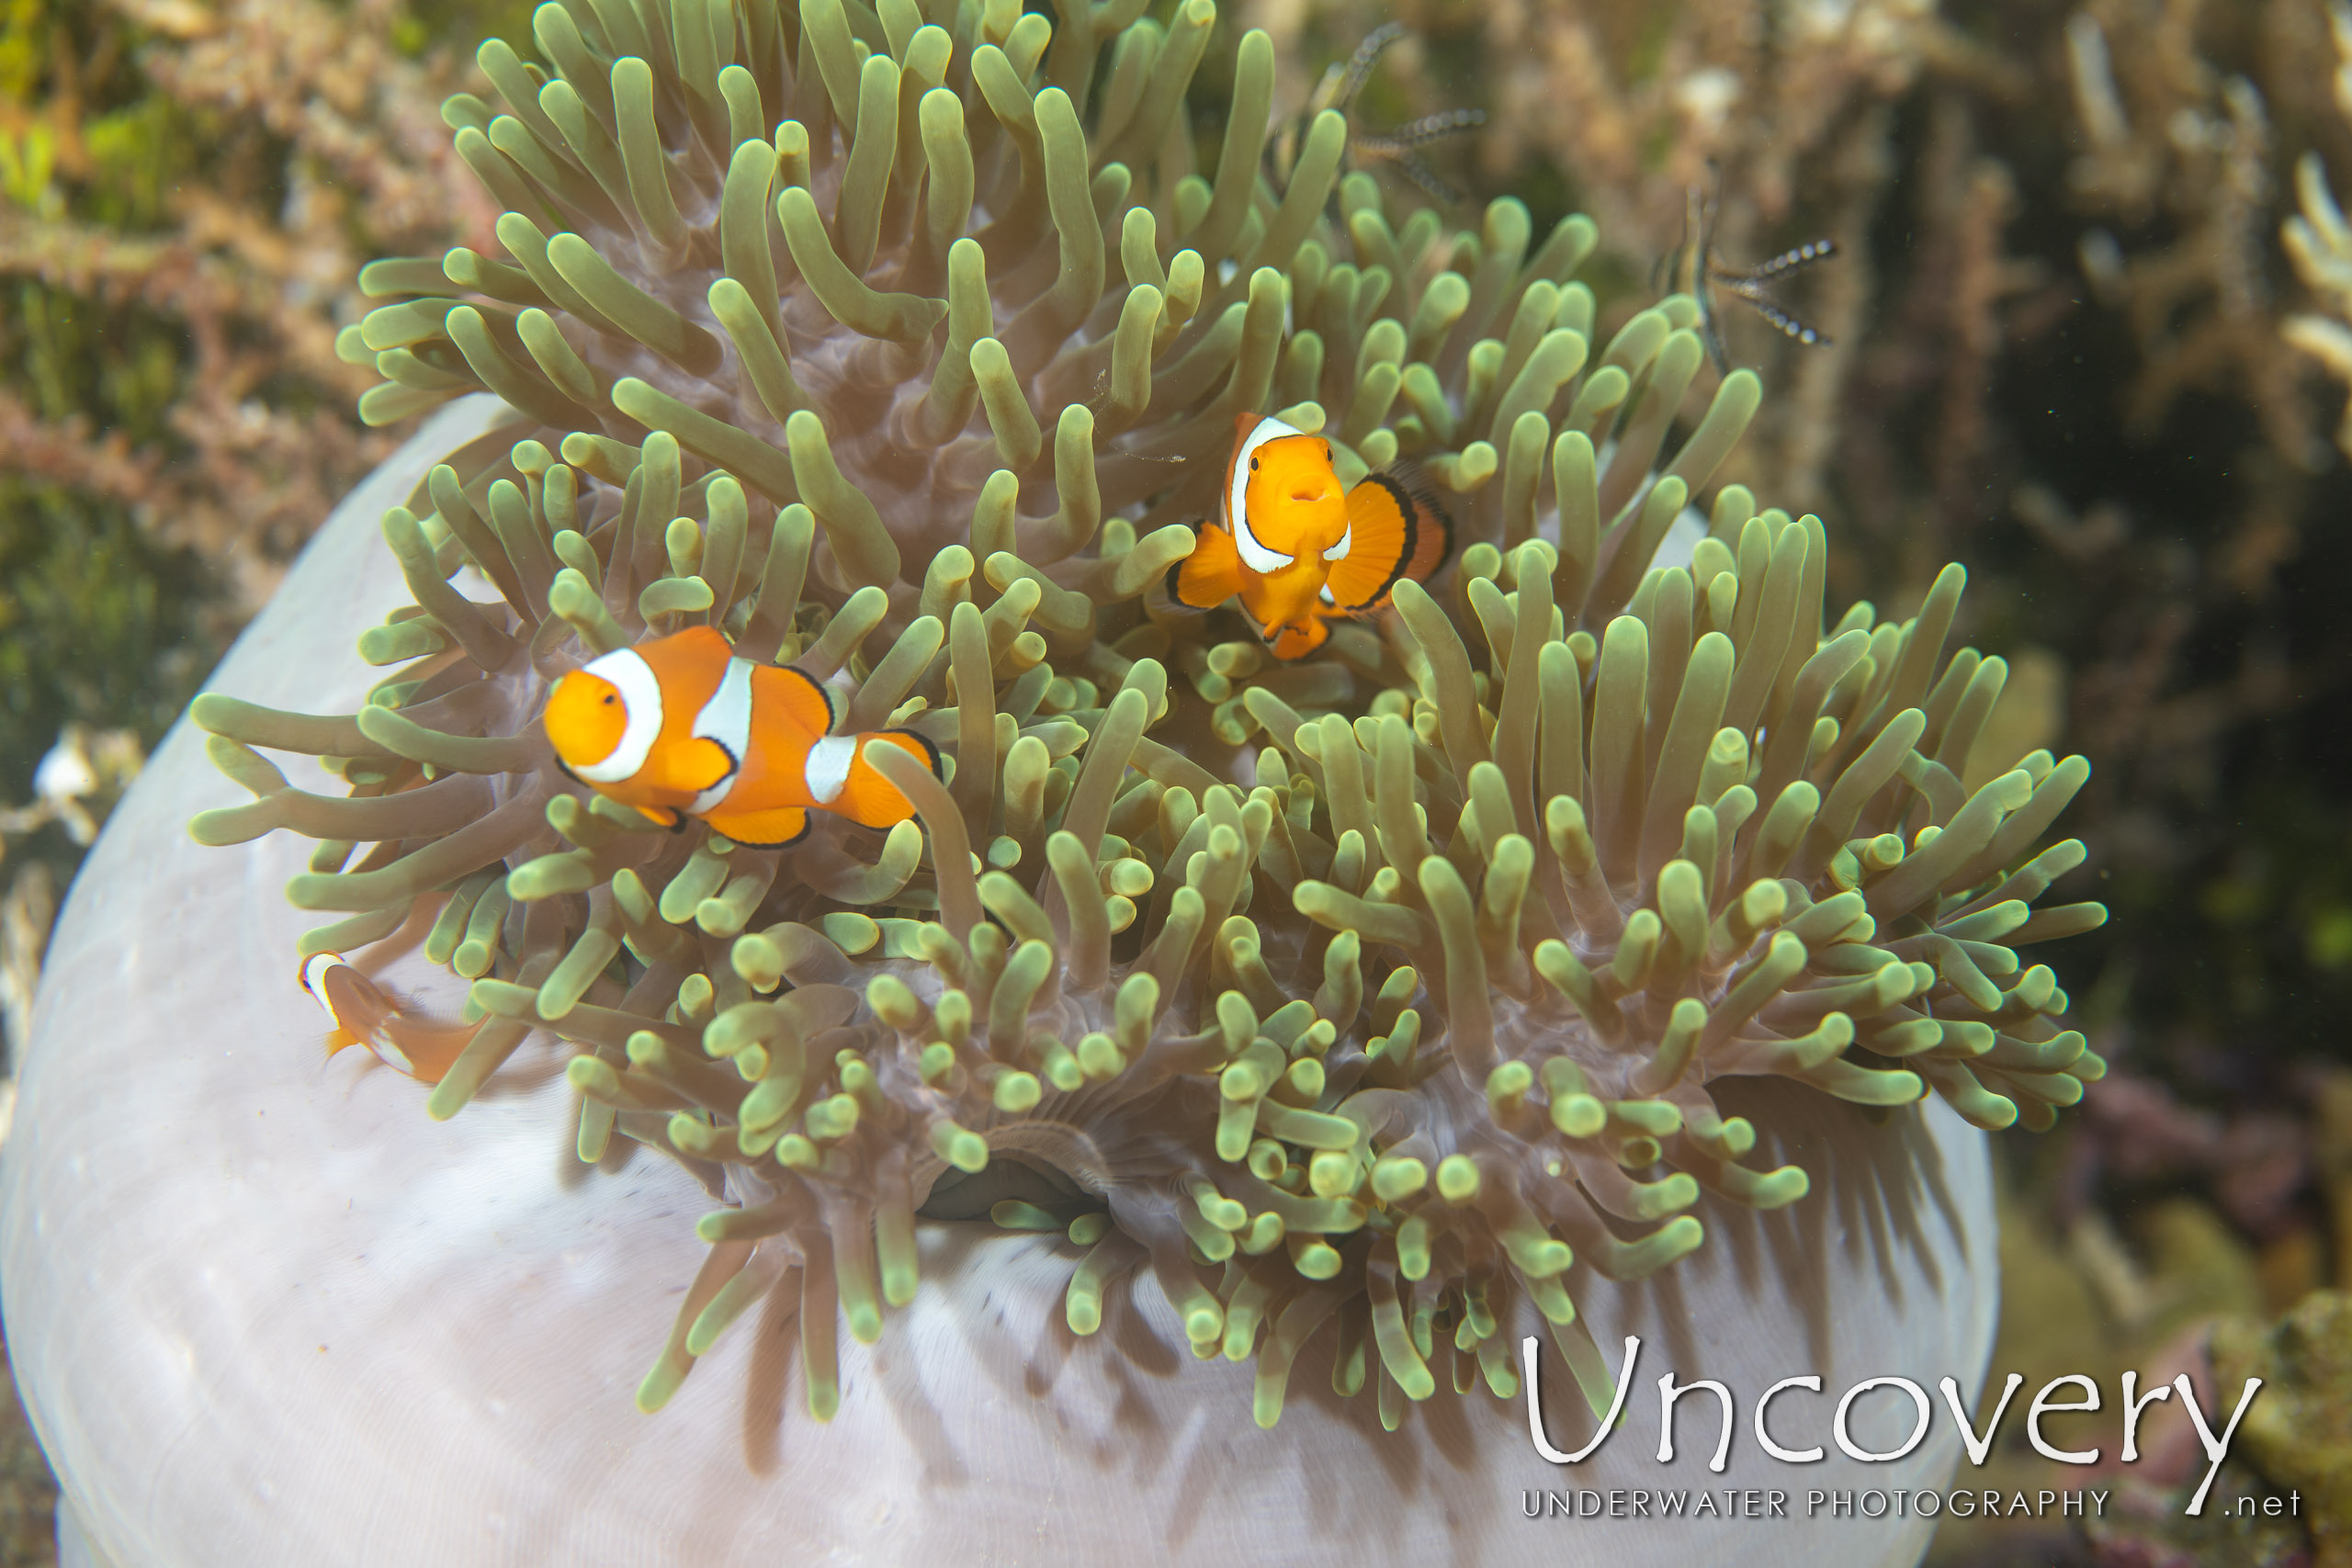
point(264, 1310)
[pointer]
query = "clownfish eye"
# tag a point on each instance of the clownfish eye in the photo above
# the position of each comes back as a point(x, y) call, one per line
point(1254, 465)
point(611, 697)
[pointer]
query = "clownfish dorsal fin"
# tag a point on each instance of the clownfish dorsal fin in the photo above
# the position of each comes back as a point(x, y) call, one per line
point(801, 697)
point(701, 644)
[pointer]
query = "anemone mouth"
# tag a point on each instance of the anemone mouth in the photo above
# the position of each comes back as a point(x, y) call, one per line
point(1375, 1046)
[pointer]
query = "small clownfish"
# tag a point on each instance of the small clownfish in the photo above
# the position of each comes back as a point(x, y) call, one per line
point(679, 727)
point(1296, 549)
point(364, 1015)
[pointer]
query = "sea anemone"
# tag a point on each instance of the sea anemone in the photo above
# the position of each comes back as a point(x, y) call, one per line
point(1378, 1009)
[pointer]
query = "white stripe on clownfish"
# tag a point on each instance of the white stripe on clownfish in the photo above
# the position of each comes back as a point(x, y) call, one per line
point(826, 768)
point(374, 1034)
point(314, 977)
point(726, 719)
point(641, 694)
point(1255, 555)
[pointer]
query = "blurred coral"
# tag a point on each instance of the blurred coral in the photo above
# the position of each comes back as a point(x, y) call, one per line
point(193, 188)
point(2321, 244)
point(2172, 138)
point(186, 193)
point(2300, 1435)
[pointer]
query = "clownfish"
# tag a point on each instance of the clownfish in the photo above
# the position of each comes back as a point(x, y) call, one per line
point(679, 727)
point(364, 1015)
point(1296, 550)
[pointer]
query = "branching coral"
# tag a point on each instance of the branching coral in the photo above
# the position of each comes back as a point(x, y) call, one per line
point(187, 190)
point(2320, 245)
point(1785, 109)
point(2174, 137)
point(1385, 1036)
point(193, 188)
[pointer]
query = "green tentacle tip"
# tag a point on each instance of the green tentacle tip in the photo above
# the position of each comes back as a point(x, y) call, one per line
point(667, 1376)
point(1016, 1092)
point(1457, 1178)
point(1397, 1179)
point(966, 1151)
point(1082, 1303)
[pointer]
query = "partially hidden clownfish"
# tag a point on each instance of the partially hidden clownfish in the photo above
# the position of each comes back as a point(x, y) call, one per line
point(364, 1015)
point(1296, 550)
point(679, 727)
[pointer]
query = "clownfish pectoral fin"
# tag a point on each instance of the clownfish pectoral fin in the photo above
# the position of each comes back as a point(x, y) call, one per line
point(697, 765)
point(1299, 639)
point(770, 829)
point(662, 816)
point(1210, 575)
point(862, 794)
point(1398, 533)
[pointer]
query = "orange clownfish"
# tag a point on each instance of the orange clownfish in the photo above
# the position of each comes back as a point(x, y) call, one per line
point(364, 1015)
point(680, 727)
point(1296, 549)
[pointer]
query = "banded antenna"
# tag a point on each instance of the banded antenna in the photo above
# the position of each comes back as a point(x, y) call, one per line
point(1693, 267)
point(1399, 145)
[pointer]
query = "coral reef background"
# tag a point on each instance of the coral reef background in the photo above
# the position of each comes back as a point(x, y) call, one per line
point(2072, 348)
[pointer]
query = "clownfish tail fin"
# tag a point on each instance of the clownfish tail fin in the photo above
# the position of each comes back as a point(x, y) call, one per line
point(1432, 536)
point(1400, 531)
